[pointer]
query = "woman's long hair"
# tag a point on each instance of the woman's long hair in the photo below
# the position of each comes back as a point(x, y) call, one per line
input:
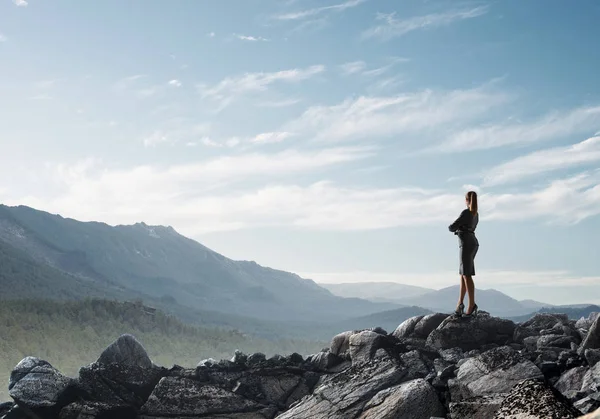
point(472, 200)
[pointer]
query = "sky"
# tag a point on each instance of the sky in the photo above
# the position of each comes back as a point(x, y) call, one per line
point(331, 138)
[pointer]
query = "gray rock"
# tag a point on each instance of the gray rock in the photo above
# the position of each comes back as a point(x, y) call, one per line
point(340, 343)
point(471, 333)
point(476, 407)
point(414, 399)
point(591, 380)
point(207, 363)
point(539, 322)
point(407, 327)
point(416, 366)
point(495, 371)
point(363, 346)
point(594, 415)
point(324, 361)
point(453, 355)
point(5, 407)
point(36, 385)
point(555, 342)
point(345, 394)
point(239, 358)
point(427, 324)
point(174, 396)
point(588, 404)
point(256, 359)
point(586, 322)
point(592, 340)
point(94, 410)
point(592, 356)
point(125, 351)
point(571, 380)
point(533, 399)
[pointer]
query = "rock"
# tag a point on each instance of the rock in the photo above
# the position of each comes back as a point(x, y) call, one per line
point(539, 322)
point(344, 395)
point(415, 365)
point(533, 399)
point(94, 410)
point(557, 343)
point(591, 380)
point(414, 399)
point(493, 372)
point(588, 404)
point(363, 346)
point(5, 407)
point(208, 363)
point(37, 387)
point(549, 369)
point(407, 327)
point(476, 407)
point(340, 343)
point(16, 412)
point(256, 359)
point(180, 397)
point(471, 333)
point(572, 380)
point(594, 415)
point(324, 361)
point(239, 358)
point(592, 356)
point(453, 355)
point(125, 351)
point(586, 323)
point(592, 340)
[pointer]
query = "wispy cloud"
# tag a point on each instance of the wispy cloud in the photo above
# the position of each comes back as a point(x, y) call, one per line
point(232, 88)
point(3, 38)
point(393, 27)
point(211, 34)
point(174, 131)
point(544, 161)
point(271, 137)
point(554, 125)
point(127, 82)
point(308, 13)
point(20, 3)
point(353, 67)
point(369, 117)
point(251, 38)
point(175, 83)
point(279, 103)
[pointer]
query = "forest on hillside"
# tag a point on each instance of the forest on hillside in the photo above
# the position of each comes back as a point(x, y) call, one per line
point(70, 335)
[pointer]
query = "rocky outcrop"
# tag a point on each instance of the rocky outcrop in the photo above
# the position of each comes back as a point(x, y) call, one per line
point(433, 366)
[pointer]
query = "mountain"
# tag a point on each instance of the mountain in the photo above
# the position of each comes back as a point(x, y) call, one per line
point(489, 300)
point(388, 320)
point(377, 291)
point(160, 264)
point(574, 312)
point(533, 304)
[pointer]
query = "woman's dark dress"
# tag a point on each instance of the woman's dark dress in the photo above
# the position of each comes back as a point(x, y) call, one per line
point(464, 227)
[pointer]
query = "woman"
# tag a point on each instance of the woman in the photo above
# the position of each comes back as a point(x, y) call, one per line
point(464, 227)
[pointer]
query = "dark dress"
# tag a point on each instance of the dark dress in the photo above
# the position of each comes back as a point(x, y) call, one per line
point(464, 227)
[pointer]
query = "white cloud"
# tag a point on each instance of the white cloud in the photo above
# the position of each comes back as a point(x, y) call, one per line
point(232, 88)
point(175, 83)
point(392, 27)
point(176, 130)
point(303, 14)
point(271, 137)
point(375, 117)
point(21, 3)
point(3, 38)
point(279, 103)
point(156, 138)
point(353, 67)
point(551, 126)
point(543, 161)
point(211, 34)
point(251, 38)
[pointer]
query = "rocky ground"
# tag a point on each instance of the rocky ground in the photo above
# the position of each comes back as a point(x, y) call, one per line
point(431, 366)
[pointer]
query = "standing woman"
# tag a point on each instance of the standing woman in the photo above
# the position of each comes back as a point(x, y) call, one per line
point(464, 227)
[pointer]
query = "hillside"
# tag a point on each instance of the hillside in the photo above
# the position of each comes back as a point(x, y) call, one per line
point(71, 334)
point(377, 291)
point(160, 263)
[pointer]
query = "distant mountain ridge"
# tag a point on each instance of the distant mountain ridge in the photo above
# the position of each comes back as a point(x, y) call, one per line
point(377, 291)
point(160, 263)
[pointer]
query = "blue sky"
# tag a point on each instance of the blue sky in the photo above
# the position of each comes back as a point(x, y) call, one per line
point(332, 138)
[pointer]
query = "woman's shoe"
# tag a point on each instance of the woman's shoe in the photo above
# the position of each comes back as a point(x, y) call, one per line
point(473, 312)
point(459, 310)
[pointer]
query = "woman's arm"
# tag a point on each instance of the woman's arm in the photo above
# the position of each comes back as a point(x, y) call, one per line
point(459, 222)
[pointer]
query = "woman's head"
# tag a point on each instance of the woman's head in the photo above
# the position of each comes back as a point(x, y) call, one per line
point(471, 200)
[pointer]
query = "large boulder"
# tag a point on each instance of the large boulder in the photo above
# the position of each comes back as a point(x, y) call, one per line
point(363, 345)
point(592, 340)
point(471, 333)
point(123, 375)
point(419, 326)
point(183, 397)
point(476, 407)
point(345, 394)
point(593, 415)
point(571, 380)
point(496, 371)
point(588, 404)
point(586, 322)
point(40, 389)
point(591, 380)
point(534, 399)
point(340, 343)
point(96, 410)
point(539, 322)
point(414, 399)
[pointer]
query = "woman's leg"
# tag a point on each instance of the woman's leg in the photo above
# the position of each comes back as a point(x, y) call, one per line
point(463, 290)
point(470, 285)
